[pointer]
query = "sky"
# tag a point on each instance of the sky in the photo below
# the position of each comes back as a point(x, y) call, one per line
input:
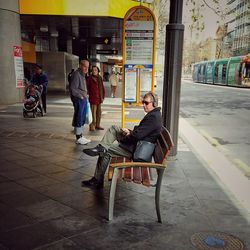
point(210, 20)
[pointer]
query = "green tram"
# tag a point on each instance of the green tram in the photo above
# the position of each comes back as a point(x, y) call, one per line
point(226, 71)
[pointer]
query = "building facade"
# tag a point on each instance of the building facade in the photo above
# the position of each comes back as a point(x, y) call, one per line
point(237, 39)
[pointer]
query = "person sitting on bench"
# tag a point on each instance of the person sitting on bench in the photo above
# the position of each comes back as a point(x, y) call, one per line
point(148, 130)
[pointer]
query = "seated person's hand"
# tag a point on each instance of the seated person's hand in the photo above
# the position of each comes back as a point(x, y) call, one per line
point(125, 131)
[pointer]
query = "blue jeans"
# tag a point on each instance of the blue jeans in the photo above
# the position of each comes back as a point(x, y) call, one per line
point(80, 109)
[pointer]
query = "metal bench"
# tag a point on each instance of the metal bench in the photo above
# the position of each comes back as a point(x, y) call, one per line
point(118, 164)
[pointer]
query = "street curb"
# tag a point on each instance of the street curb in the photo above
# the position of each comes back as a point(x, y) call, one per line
point(226, 171)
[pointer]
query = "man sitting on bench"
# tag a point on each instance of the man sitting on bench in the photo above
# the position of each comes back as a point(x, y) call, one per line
point(148, 130)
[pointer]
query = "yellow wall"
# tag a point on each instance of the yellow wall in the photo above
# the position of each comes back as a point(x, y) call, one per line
point(109, 8)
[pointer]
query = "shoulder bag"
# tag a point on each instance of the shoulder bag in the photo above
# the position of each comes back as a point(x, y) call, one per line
point(144, 151)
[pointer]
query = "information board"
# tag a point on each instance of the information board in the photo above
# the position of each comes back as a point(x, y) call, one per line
point(138, 52)
point(130, 87)
point(145, 78)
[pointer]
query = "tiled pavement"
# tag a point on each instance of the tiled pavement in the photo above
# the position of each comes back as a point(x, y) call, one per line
point(43, 205)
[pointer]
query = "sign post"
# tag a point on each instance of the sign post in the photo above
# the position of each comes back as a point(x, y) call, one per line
point(18, 61)
point(138, 56)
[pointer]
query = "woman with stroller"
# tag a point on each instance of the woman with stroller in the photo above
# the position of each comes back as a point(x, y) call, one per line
point(31, 102)
point(40, 78)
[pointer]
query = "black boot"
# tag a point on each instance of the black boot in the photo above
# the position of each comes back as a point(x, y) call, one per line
point(98, 150)
point(93, 182)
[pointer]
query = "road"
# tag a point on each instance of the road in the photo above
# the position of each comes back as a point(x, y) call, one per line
point(222, 116)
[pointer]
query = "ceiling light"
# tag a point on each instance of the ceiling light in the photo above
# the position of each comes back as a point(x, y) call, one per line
point(54, 33)
point(44, 28)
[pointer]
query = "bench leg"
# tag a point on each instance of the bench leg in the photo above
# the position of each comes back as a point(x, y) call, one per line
point(157, 194)
point(151, 174)
point(112, 194)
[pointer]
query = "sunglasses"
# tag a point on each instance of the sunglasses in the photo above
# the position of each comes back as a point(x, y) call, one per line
point(145, 102)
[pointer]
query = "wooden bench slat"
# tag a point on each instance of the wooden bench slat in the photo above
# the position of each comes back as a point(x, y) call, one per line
point(137, 164)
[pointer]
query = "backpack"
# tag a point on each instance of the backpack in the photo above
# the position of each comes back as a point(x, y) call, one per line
point(70, 74)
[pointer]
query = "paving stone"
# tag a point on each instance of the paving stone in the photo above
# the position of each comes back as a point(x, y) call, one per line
point(12, 219)
point(18, 173)
point(37, 181)
point(22, 197)
point(10, 187)
point(58, 190)
point(74, 224)
point(45, 210)
point(29, 237)
point(64, 244)
point(66, 175)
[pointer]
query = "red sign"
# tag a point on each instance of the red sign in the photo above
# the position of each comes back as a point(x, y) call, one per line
point(18, 61)
point(17, 51)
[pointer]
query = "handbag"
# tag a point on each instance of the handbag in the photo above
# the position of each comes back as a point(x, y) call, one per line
point(144, 151)
point(88, 118)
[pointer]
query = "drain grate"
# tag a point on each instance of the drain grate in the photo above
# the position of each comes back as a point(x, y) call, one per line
point(216, 241)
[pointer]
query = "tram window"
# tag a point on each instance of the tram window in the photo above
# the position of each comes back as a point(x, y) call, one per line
point(247, 70)
point(224, 69)
point(216, 69)
point(209, 68)
point(204, 70)
point(240, 70)
point(199, 69)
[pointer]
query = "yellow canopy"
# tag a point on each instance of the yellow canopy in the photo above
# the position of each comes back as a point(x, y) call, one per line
point(107, 8)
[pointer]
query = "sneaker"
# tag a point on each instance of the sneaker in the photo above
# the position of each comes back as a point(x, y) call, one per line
point(86, 139)
point(82, 141)
point(98, 150)
point(93, 182)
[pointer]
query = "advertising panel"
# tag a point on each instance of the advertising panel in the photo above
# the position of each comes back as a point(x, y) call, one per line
point(18, 61)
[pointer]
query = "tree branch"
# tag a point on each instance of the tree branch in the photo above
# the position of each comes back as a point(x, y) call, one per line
point(204, 1)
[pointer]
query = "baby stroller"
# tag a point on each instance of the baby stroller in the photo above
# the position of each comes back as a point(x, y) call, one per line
point(32, 101)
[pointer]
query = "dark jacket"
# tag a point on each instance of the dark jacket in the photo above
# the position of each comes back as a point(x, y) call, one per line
point(40, 79)
point(148, 130)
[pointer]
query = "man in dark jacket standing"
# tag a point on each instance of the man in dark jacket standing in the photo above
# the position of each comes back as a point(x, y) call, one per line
point(148, 130)
point(79, 95)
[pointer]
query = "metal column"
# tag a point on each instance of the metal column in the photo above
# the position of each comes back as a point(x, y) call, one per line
point(172, 71)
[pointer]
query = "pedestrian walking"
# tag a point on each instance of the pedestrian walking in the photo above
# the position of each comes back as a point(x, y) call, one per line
point(113, 81)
